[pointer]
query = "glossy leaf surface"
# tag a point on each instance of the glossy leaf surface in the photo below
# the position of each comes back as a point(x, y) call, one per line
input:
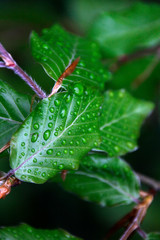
point(56, 135)
point(56, 49)
point(26, 232)
point(153, 236)
point(122, 117)
point(14, 108)
point(123, 32)
point(107, 181)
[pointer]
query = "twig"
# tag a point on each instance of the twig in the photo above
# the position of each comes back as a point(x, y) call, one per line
point(11, 64)
point(66, 73)
point(149, 181)
point(5, 147)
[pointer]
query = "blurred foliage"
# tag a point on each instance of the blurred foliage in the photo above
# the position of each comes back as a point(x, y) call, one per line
point(45, 204)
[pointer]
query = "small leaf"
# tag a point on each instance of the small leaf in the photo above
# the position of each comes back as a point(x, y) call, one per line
point(108, 181)
point(14, 108)
point(27, 232)
point(56, 49)
point(56, 135)
point(123, 32)
point(153, 236)
point(122, 117)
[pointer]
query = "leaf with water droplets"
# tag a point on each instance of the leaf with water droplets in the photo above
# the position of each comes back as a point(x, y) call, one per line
point(56, 135)
point(14, 108)
point(108, 181)
point(153, 236)
point(27, 232)
point(56, 49)
point(120, 122)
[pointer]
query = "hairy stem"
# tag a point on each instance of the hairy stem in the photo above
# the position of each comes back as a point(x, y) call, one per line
point(8, 62)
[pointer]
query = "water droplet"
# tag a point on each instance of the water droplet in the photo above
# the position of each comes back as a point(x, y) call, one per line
point(57, 102)
point(34, 160)
point(78, 89)
point(64, 142)
point(49, 151)
point(61, 166)
point(77, 143)
point(95, 144)
point(26, 134)
point(2, 90)
point(60, 127)
point(34, 137)
point(51, 109)
point(68, 98)
point(23, 176)
point(84, 140)
point(92, 76)
point(50, 124)
point(116, 148)
point(36, 126)
point(90, 129)
point(65, 151)
point(51, 117)
point(58, 154)
point(55, 164)
point(69, 132)
point(45, 46)
point(63, 113)
point(29, 171)
point(23, 144)
point(46, 134)
point(43, 174)
point(32, 150)
point(71, 142)
point(22, 153)
point(130, 145)
point(56, 134)
point(71, 152)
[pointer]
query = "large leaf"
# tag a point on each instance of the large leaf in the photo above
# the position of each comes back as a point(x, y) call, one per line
point(14, 108)
point(108, 181)
point(122, 117)
point(27, 232)
point(153, 236)
point(122, 32)
point(56, 49)
point(56, 135)
point(83, 14)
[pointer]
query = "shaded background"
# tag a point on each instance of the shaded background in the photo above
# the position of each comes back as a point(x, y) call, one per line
point(48, 205)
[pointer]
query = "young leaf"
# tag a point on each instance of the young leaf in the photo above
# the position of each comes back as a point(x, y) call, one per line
point(27, 232)
point(108, 181)
point(153, 236)
point(120, 122)
point(122, 32)
point(56, 49)
point(14, 108)
point(56, 135)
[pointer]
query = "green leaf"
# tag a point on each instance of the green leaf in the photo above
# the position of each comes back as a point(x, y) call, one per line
point(120, 122)
point(56, 135)
point(83, 14)
point(108, 181)
point(56, 49)
point(153, 236)
point(14, 108)
point(27, 232)
point(122, 32)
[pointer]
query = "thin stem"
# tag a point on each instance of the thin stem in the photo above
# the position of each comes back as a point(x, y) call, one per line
point(149, 181)
point(5, 147)
point(11, 64)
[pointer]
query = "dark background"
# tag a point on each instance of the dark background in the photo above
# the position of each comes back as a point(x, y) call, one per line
point(48, 205)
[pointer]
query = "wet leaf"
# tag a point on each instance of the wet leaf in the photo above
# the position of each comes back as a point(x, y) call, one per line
point(14, 108)
point(122, 117)
point(56, 135)
point(153, 236)
point(56, 49)
point(27, 232)
point(107, 181)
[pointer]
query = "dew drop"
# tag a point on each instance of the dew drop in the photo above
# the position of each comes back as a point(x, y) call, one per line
point(43, 174)
point(130, 145)
point(34, 160)
point(68, 98)
point(57, 102)
point(64, 142)
point(116, 148)
point(29, 171)
point(34, 137)
point(23, 144)
point(84, 140)
point(50, 124)
point(65, 151)
point(77, 143)
point(61, 166)
point(51, 109)
point(56, 134)
point(23, 176)
point(46, 134)
point(22, 153)
point(32, 150)
point(63, 113)
point(78, 89)
point(71, 142)
point(36, 126)
point(55, 164)
point(69, 132)
point(58, 154)
point(49, 151)
point(51, 117)
point(71, 152)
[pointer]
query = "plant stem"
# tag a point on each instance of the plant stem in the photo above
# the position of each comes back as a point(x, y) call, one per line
point(11, 64)
point(149, 181)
